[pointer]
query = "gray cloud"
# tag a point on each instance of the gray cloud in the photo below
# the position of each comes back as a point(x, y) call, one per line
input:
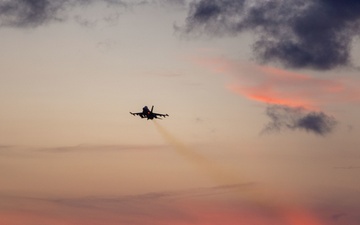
point(296, 33)
point(34, 13)
point(290, 118)
point(31, 13)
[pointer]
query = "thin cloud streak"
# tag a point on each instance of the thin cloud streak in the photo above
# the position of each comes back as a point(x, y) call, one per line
point(193, 206)
point(35, 152)
point(102, 148)
point(150, 208)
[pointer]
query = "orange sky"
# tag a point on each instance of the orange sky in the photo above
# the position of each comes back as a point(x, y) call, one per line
point(71, 154)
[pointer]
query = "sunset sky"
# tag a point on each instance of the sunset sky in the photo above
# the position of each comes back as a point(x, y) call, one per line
point(263, 100)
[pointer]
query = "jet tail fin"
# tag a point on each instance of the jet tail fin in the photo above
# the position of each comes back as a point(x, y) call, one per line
point(152, 108)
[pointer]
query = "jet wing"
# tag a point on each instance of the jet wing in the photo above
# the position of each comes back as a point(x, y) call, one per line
point(158, 114)
point(138, 114)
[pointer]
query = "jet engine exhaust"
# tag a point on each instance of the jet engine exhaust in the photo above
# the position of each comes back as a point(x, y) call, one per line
point(260, 196)
point(216, 173)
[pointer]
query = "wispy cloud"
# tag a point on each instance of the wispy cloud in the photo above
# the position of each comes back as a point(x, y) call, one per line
point(92, 148)
point(158, 208)
point(34, 152)
point(293, 100)
point(347, 167)
point(277, 86)
point(207, 205)
point(297, 34)
point(165, 195)
point(272, 85)
point(4, 146)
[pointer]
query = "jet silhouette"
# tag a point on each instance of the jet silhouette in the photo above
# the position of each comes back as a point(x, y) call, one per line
point(146, 113)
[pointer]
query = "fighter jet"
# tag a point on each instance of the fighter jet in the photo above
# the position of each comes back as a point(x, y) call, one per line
point(146, 113)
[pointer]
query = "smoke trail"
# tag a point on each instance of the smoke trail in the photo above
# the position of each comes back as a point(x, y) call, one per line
point(216, 173)
point(257, 195)
point(262, 197)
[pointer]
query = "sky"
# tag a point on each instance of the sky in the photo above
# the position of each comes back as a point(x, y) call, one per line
point(263, 100)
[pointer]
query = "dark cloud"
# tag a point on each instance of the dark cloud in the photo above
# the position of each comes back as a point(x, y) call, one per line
point(285, 117)
point(33, 13)
point(296, 33)
point(30, 13)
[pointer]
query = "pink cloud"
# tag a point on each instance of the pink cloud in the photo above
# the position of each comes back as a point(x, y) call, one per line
point(278, 86)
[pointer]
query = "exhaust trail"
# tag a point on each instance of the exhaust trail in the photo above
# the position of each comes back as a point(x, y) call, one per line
point(218, 174)
point(215, 172)
point(260, 196)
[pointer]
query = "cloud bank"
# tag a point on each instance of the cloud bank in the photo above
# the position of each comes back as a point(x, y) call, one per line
point(296, 118)
point(295, 33)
